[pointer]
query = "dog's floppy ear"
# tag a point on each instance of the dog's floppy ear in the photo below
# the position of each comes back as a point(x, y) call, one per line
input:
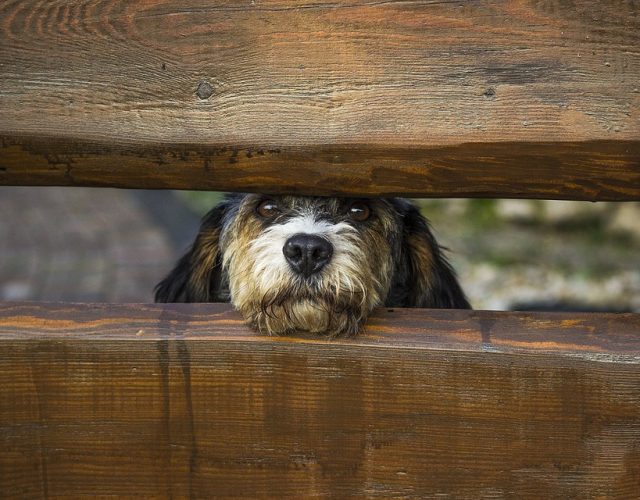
point(198, 275)
point(429, 280)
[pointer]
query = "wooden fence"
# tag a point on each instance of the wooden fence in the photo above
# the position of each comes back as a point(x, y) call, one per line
point(533, 99)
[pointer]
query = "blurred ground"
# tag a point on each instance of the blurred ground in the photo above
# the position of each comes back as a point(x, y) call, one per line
point(74, 244)
point(522, 254)
point(98, 245)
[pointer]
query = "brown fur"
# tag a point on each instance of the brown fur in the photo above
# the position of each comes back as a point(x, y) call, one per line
point(389, 259)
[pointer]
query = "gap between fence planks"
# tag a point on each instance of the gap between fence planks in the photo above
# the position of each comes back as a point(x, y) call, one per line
point(473, 99)
point(182, 400)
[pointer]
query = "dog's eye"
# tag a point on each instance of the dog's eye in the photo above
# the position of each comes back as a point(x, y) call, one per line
point(268, 209)
point(359, 211)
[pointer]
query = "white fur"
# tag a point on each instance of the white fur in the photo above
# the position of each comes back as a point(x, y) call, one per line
point(271, 263)
point(258, 268)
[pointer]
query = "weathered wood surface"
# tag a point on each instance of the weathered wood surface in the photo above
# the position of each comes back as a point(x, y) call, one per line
point(184, 401)
point(532, 99)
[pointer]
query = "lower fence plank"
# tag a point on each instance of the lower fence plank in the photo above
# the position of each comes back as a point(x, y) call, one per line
point(176, 401)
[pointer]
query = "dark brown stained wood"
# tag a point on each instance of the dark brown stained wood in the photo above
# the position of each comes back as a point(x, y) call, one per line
point(586, 171)
point(184, 401)
point(534, 99)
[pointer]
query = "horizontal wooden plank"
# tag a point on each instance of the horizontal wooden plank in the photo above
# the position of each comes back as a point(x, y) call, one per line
point(419, 98)
point(180, 400)
point(581, 171)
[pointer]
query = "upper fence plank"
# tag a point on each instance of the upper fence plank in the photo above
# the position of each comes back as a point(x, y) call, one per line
point(534, 99)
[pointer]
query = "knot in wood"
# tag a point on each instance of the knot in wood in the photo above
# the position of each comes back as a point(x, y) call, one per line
point(204, 90)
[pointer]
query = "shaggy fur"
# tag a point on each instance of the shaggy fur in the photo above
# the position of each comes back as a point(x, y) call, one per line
point(387, 258)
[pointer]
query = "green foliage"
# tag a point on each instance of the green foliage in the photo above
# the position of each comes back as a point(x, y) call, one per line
point(482, 213)
point(201, 201)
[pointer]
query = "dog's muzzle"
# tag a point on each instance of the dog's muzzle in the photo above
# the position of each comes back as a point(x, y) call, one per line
point(307, 253)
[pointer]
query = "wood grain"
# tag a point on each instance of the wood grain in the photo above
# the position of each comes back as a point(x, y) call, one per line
point(532, 99)
point(175, 401)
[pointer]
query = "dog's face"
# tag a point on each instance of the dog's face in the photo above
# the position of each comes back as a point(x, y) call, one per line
point(291, 263)
point(312, 264)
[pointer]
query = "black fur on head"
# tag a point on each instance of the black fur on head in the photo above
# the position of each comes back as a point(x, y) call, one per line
point(293, 263)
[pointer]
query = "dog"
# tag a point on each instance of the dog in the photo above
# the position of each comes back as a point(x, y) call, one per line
point(314, 264)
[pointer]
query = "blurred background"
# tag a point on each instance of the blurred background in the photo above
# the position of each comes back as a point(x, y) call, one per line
point(107, 245)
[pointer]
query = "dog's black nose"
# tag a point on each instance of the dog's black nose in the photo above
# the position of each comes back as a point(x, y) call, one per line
point(307, 253)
